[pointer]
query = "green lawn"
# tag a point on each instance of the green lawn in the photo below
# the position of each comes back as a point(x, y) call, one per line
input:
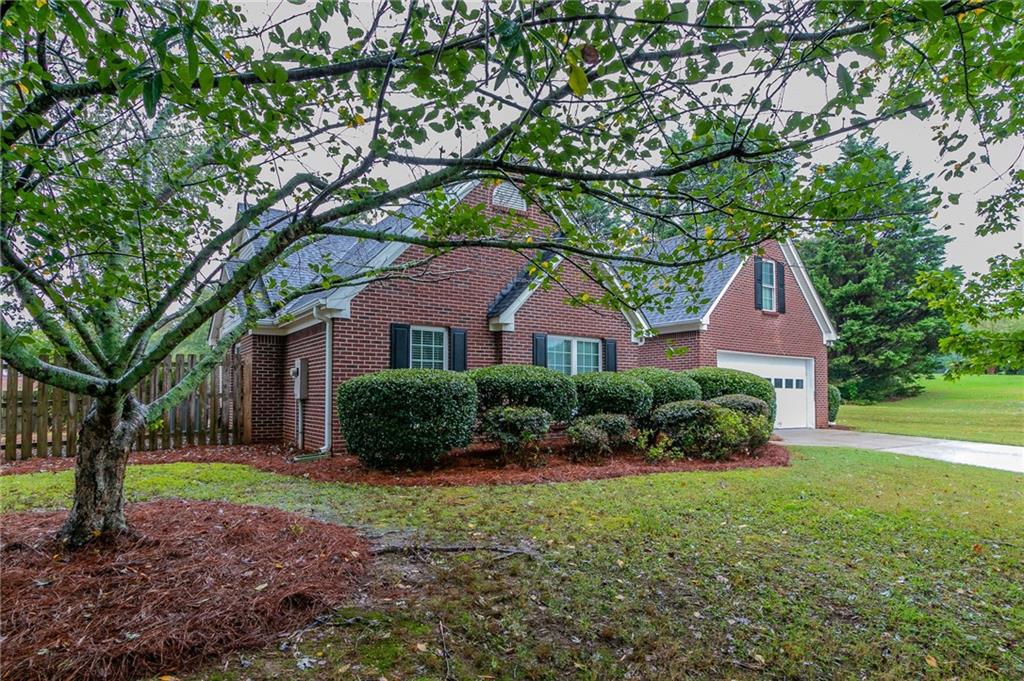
point(848, 564)
point(976, 408)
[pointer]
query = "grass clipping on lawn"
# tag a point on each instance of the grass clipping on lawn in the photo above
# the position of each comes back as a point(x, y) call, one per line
point(197, 580)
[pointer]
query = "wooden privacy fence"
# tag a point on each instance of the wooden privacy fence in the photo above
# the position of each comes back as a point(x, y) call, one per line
point(39, 420)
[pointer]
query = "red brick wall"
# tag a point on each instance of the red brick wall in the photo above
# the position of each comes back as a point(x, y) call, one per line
point(264, 354)
point(307, 343)
point(474, 278)
point(684, 347)
point(736, 325)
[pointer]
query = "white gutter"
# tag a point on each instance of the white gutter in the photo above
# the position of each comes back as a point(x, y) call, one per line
point(328, 374)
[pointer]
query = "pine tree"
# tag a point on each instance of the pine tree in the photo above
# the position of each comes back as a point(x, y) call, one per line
point(888, 338)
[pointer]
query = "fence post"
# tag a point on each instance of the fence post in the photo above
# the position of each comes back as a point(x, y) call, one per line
point(10, 445)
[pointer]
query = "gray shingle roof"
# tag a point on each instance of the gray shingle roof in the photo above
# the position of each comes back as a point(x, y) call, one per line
point(685, 307)
point(346, 255)
point(515, 288)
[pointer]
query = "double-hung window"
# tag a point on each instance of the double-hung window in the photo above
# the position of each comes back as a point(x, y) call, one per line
point(573, 355)
point(768, 295)
point(428, 348)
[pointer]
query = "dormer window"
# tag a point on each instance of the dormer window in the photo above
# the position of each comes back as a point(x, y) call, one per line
point(506, 195)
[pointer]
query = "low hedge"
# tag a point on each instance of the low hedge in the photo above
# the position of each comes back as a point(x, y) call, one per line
point(406, 418)
point(715, 382)
point(835, 400)
point(667, 385)
point(516, 430)
point(745, 404)
point(588, 441)
point(517, 385)
point(759, 431)
point(615, 426)
point(701, 429)
point(613, 393)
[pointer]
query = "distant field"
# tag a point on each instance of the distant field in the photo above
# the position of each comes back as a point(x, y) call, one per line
point(976, 408)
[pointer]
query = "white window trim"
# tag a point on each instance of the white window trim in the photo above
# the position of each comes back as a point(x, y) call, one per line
point(444, 341)
point(572, 351)
point(774, 286)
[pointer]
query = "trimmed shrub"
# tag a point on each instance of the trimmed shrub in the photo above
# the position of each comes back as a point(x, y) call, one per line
point(715, 382)
point(701, 429)
point(516, 430)
point(613, 393)
point(615, 426)
point(835, 400)
point(406, 418)
point(759, 431)
point(755, 414)
point(519, 385)
point(745, 404)
point(589, 442)
point(667, 385)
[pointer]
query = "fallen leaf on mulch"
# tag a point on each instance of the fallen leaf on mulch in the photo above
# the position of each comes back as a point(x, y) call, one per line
point(168, 597)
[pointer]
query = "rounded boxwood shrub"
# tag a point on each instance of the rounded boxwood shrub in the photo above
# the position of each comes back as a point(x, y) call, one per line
point(615, 426)
point(715, 382)
point(755, 414)
point(668, 385)
point(745, 404)
point(589, 442)
point(701, 429)
point(406, 418)
point(835, 400)
point(518, 385)
point(613, 393)
point(759, 431)
point(516, 430)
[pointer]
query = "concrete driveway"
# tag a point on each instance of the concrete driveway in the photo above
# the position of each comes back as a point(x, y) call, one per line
point(1003, 457)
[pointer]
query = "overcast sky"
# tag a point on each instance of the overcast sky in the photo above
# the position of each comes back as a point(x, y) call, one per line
point(910, 136)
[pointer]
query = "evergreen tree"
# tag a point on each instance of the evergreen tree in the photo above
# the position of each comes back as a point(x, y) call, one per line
point(888, 339)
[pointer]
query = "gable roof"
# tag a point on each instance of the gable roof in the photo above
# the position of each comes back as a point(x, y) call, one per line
point(348, 256)
point(717, 275)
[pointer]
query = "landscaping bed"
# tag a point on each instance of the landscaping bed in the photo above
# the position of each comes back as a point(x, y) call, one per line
point(476, 465)
point(193, 581)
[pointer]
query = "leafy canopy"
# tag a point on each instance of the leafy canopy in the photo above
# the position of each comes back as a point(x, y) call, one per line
point(129, 125)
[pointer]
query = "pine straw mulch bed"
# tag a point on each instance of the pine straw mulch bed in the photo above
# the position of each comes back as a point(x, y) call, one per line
point(194, 580)
point(477, 465)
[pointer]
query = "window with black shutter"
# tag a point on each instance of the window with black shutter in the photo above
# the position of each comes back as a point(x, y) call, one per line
point(400, 346)
point(611, 355)
point(458, 350)
point(540, 349)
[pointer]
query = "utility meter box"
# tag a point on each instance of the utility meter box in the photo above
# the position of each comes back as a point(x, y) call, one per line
point(300, 382)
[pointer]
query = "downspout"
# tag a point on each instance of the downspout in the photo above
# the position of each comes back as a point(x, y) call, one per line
point(328, 321)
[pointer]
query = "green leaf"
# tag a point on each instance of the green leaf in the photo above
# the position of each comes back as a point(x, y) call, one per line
point(578, 80)
point(151, 93)
point(193, 54)
point(845, 80)
point(205, 80)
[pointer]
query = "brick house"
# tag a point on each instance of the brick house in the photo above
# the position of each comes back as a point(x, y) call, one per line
point(477, 307)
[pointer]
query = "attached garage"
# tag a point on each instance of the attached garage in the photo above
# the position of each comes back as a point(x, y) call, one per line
point(793, 378)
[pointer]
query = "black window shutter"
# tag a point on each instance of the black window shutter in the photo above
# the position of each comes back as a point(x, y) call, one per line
point(540, 349)
point(758, 303)
point(780, 287)
point(399, 346)
point(611, 355)
point(457, 362)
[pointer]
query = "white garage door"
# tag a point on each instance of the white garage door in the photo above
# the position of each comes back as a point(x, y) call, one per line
point(793, 381)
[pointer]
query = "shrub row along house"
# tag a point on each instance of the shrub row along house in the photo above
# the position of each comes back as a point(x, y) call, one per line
point(759, 314)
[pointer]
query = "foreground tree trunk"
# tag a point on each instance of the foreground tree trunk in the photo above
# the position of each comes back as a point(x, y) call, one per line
point(105, 437)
